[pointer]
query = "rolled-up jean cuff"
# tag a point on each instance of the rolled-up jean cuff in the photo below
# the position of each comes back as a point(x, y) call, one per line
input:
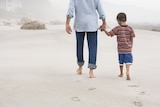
point(92, 66)
point(80, 63)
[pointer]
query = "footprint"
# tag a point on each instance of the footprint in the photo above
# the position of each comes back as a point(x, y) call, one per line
point(75, 99)
point(138, 103)
point(142, 93)
point(92, 89)
point(133, 86)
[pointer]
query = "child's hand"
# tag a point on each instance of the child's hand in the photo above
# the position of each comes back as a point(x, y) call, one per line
point(104, 30)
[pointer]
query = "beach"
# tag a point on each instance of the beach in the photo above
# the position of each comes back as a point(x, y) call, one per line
point(38, 69)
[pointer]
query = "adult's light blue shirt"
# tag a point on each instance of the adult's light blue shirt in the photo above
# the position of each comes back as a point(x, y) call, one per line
point(86, 14)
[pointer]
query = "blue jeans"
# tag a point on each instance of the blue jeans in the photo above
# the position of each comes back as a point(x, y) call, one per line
point(92, 47)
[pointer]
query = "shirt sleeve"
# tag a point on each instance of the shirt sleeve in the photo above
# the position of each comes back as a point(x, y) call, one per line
point(132, 33)
point(100, 10)
point(113, 31)
point(71, 9)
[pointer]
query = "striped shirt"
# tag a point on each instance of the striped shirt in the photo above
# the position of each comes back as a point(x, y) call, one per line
point(124, 35)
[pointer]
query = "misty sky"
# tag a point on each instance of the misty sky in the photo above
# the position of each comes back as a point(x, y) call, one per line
point(148, 10)
point(149, 4)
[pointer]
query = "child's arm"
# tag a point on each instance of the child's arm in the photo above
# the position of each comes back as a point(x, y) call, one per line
point(132, 36)
point(106, 32)
point(132, 41)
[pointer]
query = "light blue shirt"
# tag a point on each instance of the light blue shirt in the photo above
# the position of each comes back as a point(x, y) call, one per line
point(86, 17)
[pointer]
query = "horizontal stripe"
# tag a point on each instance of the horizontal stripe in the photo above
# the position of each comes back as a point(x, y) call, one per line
point(124, 35)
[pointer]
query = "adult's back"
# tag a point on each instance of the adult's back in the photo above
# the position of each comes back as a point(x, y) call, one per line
point(86, 23)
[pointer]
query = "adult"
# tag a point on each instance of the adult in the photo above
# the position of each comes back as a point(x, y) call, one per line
point(86, 22)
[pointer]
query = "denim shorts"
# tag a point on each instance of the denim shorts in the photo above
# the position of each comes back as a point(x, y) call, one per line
point(125, 58)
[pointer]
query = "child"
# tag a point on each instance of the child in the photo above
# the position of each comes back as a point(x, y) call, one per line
point(125, 35)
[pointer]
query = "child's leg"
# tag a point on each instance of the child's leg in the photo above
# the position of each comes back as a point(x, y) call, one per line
point(121, 61)
point(91, 75)
point(121, 71)
point(128, 61)
point(128, 71)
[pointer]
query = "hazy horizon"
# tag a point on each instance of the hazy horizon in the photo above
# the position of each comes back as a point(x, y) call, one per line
point(56, 10)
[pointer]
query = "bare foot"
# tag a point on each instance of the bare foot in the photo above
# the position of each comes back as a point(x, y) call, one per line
point(128, 77)
point(120, 75)
point(79, 70)
point(91, 75)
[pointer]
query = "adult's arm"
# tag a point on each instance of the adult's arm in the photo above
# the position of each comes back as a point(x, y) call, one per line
point(101, 14)
point(68, 27)
point(70, 14)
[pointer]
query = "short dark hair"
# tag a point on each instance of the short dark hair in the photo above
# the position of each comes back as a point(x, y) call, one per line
point(122, 17)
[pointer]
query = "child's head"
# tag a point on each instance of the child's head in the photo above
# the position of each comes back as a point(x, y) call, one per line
point(121, 18)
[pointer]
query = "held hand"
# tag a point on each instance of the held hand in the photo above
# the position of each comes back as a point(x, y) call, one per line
point(102, 27)
point(68, 29)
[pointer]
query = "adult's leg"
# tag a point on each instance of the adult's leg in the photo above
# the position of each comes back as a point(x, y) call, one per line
point(92, 47)
point(79, 50)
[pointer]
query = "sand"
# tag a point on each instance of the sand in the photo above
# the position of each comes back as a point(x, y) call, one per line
point(38, 69)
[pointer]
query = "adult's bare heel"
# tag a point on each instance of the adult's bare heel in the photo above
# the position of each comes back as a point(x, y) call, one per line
point(91, 75)
point(79, 70)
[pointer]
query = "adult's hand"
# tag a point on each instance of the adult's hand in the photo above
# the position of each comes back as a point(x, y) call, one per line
point(68, 29)
point(103, 26)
